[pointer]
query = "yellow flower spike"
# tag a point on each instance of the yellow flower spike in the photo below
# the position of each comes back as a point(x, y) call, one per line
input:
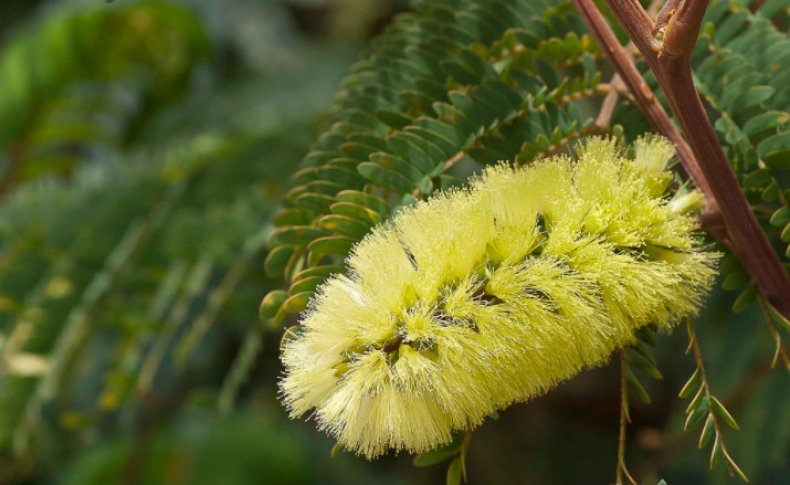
point(484, 297)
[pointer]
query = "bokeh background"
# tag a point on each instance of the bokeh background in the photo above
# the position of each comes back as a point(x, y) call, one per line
point(143, 148)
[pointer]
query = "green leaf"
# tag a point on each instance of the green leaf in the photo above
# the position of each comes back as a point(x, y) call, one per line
point(324, 187)
point(438, 455)
point(745, 299)
point(757, 179)
point(314, 202)
point(385, 177)
point(781, 217)
point(292, 217)
point(735, 280)
point(775, 150)
point(271, 304)
point(764, 122)
point(276, 260)
point(317, 158)
point(322, 271)
point(297, 235)
point(376, 204)
point(393, 119)
point(715, 452)
point(643, 361)
point(722, 412)
point(454, 472)
point(406, 168)
point(772, 192)
point(332, 245)
point(356, 212)
point(733, 467)
point(707, 432)
point(646, 335)
point(308, 284)
point(637, 387)
point(336, 449)
point(778, 317)
point(690, 385)
point(753, 96)
point(344, 225)
point(290, 333)
point(696, 415)
point(297, 302)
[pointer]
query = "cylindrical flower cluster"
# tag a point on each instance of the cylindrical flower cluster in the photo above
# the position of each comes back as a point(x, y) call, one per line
point(483, 297)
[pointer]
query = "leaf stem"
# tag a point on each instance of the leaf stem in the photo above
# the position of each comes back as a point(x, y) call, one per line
point(780, 350)
point(622, 470)
point(719, 447)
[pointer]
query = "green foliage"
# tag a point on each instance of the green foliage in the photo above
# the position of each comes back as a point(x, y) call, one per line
point(143, 146)
point(78, 89)
point(200, 449)
point(117, 267)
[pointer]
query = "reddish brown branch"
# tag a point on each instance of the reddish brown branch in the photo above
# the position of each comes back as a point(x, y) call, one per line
point(624, 65)
point(670, 61)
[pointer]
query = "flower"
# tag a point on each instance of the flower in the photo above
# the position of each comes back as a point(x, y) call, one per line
point(483, 297)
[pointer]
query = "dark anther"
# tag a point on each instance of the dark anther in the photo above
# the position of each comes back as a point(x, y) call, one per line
point(480, 294)
point(541, 223)
point(411, 258)
point(392, 345)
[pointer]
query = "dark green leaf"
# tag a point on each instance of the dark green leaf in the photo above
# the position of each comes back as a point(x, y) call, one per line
point(297, 302)
point(376, 204)
point(637, 387)
point(722, 412)
point(271, 304)
point(765, 121)
point(344, 225)
point(745, 299)
point(691, 385)
point(781, 217)
point(357, 212)
point(385, 177)
point(697, 413)
point(332, 245)
point(643, 361)
point(297, 235)
point(322, 271)
point(707, 432)
point(775, 150)
point(454, 472)
point(438, 455)
point(277, 259)
point(735, 280)
point(308, 284)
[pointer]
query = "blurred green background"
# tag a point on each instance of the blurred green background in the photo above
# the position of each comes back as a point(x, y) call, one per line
point(143, 147)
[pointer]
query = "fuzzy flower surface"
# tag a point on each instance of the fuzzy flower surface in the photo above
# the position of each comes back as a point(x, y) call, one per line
point(480, 298)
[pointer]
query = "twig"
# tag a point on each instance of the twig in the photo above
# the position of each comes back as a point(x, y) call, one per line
point(622, 471)
point(670, 61)
point(675, 447)
point(779, 351)
point(643, 96)
point(609, 103)
point(713, 412)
